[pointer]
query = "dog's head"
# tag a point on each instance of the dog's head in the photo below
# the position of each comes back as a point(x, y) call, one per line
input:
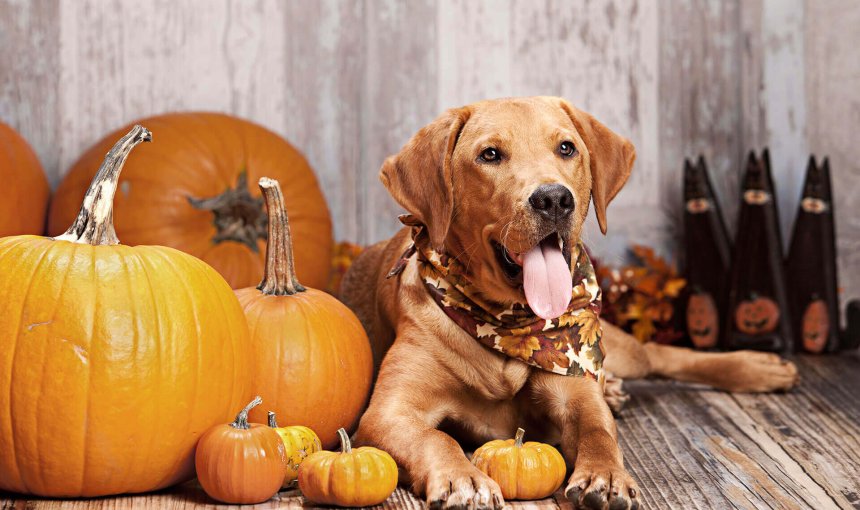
point(504, 186)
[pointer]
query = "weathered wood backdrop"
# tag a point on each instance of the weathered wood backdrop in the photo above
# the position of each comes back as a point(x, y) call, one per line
point(349, 81)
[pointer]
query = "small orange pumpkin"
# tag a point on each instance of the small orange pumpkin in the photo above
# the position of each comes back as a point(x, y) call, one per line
point(25, 188)
point(816, 326)
point(702, 320)
point(523, 471)
point(312, 359)
point(757, 315)
point(299, 442)
point(240, 462)
point(362, 477)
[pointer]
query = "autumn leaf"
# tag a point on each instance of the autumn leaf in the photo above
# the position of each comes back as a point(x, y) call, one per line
point(548, 358)
point(674, 286)
point(589, 326)
point(643, 329)
point(520, 347)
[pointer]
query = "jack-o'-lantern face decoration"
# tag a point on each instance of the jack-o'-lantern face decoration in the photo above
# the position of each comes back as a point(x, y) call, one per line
point(702, 320)
point(816, 326)
point(757, 315)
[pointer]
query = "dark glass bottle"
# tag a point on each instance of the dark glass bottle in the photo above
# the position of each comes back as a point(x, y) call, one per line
point(708, 254)
point(757, 315)
point(811, 266)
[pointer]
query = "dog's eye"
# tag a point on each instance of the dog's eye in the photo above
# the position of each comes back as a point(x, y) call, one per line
point(490, 155)
point(566, 149)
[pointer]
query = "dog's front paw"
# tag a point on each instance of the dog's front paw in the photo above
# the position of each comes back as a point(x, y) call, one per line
point(463, 489)
point(596, 488)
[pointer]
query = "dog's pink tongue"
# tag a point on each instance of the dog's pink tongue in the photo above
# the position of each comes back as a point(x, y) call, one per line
point(547, 281)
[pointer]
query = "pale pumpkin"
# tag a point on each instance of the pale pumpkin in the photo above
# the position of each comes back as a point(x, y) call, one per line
point(113, 359)
point(312, 360)
point(241, 462)
point(25, 189)
point(299, 442)
point(191, 192)
point(523, 470)
point(362, 477)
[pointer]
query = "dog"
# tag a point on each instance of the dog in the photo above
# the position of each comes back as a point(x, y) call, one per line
point(493, 185)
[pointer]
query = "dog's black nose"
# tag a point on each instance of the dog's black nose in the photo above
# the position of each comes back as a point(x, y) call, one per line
point(552, 201)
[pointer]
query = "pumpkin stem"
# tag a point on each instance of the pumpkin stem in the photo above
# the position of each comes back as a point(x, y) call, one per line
point(94, 224)
point(345, 444)
point(241, 421)
point(279, 276)
point(236, 214)
point(518, 439)
point(273, 422)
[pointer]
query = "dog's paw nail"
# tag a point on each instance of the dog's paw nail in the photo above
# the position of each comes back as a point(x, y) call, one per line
point(632, 492)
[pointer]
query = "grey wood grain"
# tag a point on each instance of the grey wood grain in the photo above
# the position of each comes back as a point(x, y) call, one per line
point(29, 82)
point(833, 119)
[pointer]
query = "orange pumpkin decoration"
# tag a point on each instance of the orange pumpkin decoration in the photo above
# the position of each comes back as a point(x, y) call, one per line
point(25, 188)
point(816, 326)
point(241, 463)
point(191, 193)
point(113, 359)
point(702, 320)
point(522, 470)
point(365, 476)
point(312, 359)
point(757, 315)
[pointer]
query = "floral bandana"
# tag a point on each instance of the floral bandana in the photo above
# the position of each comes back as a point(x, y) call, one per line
point(567, 345)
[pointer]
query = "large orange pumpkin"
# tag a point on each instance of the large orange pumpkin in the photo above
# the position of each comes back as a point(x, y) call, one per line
point(113, 359)
point(25, 188)
point(190, 192)
point(312, 360)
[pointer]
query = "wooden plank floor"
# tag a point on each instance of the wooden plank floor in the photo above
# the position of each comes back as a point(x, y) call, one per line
point(689, 447)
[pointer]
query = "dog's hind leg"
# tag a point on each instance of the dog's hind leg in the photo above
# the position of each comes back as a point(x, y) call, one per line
point(742, 371)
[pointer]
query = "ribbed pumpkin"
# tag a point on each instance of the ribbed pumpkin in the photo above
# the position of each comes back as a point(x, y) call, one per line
point(365, 476)
point(241, 462)
point(113, 360)
point(312, 361)
point(25, 190)
point(299, 442)
point(523, 471)
point(191, 192)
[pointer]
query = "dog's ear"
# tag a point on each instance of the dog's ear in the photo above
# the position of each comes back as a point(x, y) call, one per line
point(419, 176)
point(610, 159)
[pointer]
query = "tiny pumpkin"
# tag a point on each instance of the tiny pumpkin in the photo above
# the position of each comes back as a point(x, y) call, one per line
point(757, 315)
point(299, 442)
point(362, 477)
point(25, 188)
point(523, 470)
point(241, 462)
point(308, 346)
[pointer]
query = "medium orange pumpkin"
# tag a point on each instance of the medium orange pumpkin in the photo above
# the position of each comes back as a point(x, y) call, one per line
point(522, 470)
point(190, 192)
point(365, 476)
point(25, 188)
point(241, 462)
point(312, 359)
point(113, 359)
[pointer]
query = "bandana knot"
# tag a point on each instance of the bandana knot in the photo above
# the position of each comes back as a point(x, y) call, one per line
point(567, 345)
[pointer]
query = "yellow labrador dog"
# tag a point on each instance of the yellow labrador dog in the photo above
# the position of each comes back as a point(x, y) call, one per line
point(501, 189)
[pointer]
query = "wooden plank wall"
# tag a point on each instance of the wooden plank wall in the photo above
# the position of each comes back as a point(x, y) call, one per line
point(349, 81)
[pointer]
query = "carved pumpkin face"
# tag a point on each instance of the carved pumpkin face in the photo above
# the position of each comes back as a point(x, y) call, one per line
point(816, 326)
point(702, 323)
point(757, 315)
